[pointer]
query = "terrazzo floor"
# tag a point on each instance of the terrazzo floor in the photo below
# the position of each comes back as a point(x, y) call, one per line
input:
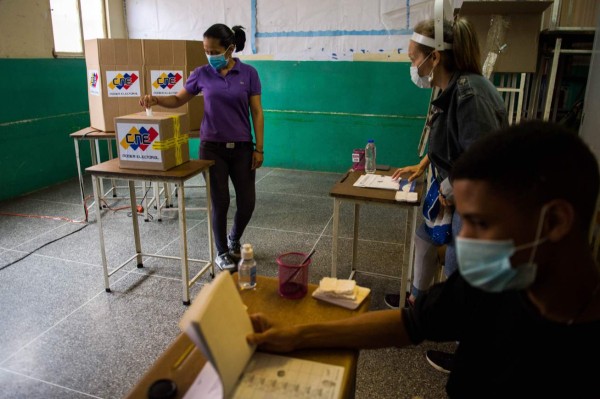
point(63, 336)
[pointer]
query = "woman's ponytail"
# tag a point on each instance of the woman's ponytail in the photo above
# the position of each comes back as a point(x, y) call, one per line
point(465, 46)
point(240, 37)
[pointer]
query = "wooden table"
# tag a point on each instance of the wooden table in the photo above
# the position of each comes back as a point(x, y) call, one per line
point(344, 191)
point(177, 175)
point(182, 360)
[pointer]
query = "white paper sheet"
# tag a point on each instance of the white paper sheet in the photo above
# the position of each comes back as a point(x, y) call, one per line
point(206, 385)
point(377, 181)
point(280, 377)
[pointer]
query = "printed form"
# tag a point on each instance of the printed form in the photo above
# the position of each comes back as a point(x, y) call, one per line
point(273, 377)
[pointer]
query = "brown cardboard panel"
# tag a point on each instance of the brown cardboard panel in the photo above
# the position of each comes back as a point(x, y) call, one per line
point(165, 132)
point(522, 36)
point(503, 7)
point(165, 52)
point(573, 14)
point(134, 54)
point(194, 54)
point(178, 49)
point(150, 51)
point(194, 108)
point(106, 52)
point(92, 54)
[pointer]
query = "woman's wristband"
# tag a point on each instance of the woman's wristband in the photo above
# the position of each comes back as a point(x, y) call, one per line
point(260, 152)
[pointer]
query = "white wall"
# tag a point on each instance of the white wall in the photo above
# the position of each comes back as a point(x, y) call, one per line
point(590, 126)
point(298, 30)
point(25, 29)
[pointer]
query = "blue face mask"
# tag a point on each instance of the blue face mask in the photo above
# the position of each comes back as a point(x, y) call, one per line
point(485, 264)
point(218, 61)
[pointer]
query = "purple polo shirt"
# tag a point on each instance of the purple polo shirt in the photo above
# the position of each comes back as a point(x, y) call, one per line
point(226, 101)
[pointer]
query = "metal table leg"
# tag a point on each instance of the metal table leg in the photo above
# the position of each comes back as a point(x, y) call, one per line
point(183, 252)
point(156, 188)
point(355, 240)
point(211, 246)
point(136, 227)
point(336, 226)
point(112, 181)
point(407, 265)
point(100, 232)
point(80, 175)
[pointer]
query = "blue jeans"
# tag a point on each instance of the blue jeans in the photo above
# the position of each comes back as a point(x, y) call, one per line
point(426, 262)
point(234, 163)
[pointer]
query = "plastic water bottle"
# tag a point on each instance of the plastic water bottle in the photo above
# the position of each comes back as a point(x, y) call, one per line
point(247, 268)
point(370, 155)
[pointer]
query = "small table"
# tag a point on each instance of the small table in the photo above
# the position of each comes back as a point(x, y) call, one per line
point(178, 175)
point(182, 360)
point(93, 136)
point(345, 191)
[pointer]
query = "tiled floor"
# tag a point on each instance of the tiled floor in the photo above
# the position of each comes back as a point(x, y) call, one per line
point(63, 336)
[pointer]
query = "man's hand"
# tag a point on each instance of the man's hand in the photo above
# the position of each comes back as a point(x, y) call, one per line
point(269, 337)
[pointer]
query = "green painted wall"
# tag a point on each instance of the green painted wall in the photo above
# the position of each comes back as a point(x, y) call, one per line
point(316, 113)
point(44, 102)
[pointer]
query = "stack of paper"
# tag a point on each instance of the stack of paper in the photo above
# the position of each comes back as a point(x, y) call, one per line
point(345, 293)
point(377, 181)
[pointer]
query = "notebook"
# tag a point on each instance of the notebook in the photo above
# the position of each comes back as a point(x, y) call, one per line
point(218, 323)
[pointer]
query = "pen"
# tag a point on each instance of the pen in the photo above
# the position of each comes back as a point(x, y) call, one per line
point(345, 176)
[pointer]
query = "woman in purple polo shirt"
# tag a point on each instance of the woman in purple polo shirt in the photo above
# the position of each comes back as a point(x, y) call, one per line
point(231, 92)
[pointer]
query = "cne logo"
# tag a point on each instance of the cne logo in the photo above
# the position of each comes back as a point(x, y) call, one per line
point(165, 81)
point(139, 138)
point(121, 81)
point(94, 79)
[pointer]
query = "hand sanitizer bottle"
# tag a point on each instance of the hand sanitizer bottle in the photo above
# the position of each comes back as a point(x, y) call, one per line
point(247, 268)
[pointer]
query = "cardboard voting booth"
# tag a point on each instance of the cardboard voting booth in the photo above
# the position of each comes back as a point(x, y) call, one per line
point(167, 65)
point(114, 74)
point(120, 71)
point(156, 142)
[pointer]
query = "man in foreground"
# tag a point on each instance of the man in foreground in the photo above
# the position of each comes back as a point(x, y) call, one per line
point(525, 304)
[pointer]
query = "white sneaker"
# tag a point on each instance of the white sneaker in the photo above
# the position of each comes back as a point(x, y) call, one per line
point(224, 262)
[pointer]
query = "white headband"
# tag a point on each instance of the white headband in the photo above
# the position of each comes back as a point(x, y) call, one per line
point(428, 41)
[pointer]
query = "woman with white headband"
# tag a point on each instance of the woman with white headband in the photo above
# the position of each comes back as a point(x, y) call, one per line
point(467, 108)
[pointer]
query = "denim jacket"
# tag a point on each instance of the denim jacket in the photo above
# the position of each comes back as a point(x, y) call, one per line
point(469, 108)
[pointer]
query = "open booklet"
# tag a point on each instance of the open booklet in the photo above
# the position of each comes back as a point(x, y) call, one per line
point(218, 323)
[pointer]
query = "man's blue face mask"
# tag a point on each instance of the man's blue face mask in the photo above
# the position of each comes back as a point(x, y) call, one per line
point(485, 264)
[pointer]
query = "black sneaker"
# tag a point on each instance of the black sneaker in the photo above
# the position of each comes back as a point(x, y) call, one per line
point(235, 248)
point(442, 361)
point(393, 301)
point(224, 262)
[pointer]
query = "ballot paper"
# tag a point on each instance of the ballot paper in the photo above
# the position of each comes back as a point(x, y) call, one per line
point(377, 181)
point(239, 371)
